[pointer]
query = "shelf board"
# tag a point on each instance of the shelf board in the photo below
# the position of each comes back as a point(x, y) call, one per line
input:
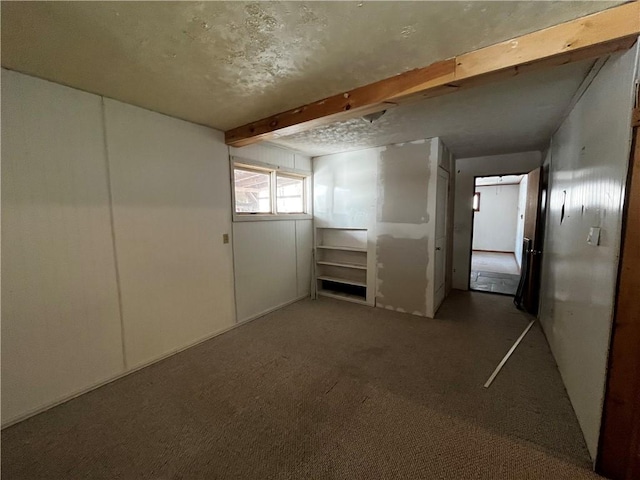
point(341, 228)
point(346, 249)
point(342, 280)
point(343, 296)
point(345, 265)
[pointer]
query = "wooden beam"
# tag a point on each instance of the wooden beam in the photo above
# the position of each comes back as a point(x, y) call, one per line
point(592, 36)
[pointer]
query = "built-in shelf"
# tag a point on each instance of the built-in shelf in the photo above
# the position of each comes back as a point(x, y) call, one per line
point(342, 280)
point(344, 265)
point(346, 249)
point(343, 296)
point(341, 263)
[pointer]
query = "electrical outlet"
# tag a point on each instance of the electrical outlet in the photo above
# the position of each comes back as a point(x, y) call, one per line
point(225, 238)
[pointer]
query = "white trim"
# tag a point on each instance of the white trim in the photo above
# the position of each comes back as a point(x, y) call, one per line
point(273, 309)
point(260, 217)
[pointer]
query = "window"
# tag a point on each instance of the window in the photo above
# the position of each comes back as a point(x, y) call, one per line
point(253, 190)
point(476, 202)
point(289, 194)
point(268, 191)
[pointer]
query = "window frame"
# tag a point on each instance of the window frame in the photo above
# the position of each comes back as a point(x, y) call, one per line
point(274, 171)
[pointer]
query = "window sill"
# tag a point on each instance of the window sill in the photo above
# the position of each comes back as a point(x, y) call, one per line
point(262, 217)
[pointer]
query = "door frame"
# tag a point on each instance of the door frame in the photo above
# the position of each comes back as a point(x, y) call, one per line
point(619, 443)
point(473, 216)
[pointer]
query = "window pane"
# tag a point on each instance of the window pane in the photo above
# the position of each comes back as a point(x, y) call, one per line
point(252, 191)
point(290, 194)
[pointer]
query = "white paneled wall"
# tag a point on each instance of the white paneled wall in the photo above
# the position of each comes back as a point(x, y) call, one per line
point(495, 225)
point(60, 318)
point(171, 191)
point(272, 258)
point(169, 200)
point(589, 158)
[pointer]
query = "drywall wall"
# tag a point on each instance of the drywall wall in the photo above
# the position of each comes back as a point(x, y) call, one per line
point(466, 170)
point(272, 258)
point(406, 227)
point(170, 192)
point(69, 178)
point(522, 206)
point(60, 318)
point(588, 168)
point(391, 191)
point(495, 225)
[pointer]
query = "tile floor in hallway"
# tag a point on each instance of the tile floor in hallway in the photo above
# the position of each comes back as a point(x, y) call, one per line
point(495, 272)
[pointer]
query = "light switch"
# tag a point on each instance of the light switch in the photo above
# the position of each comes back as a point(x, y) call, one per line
point(594, 236)
point(225, 238)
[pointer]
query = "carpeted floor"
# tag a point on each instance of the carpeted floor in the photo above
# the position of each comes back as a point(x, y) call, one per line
point(324, 390)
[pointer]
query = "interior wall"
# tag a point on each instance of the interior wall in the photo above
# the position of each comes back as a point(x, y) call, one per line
point(391, 191)
point(60, 316)
point(162, 183)
point(170, 193)
point(522, 207)
point(272, 258)
point(588, 167)
point(495, 224)
point(466, 171)
point(407, 175)
point(345, 189)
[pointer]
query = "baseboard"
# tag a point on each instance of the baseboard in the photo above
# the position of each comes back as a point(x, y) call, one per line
point(273, 309)
point(102, 383)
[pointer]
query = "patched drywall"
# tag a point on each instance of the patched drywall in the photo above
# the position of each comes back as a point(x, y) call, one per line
point(223, 64)
point(403, 181)
point(406, 226)
point(390, 191)
point(402, 274)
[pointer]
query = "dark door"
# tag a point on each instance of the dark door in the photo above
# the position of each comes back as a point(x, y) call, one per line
point(528, 292)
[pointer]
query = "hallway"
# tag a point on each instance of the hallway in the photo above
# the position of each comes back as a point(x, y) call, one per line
point(324, 389)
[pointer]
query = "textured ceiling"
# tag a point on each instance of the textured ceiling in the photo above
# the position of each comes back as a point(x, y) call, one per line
point(223, 64)
point(513, 115)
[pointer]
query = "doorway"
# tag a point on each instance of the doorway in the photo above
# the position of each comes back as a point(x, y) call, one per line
point(499, 205)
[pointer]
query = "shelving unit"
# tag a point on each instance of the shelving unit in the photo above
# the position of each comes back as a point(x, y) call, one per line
point(341, 263)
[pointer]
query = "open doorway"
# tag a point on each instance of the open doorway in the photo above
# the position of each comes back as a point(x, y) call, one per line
point(499, 205)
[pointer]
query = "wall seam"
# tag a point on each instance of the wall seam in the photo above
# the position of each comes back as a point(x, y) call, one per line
point(113, 232)
point(295, 242)
point(233, 235)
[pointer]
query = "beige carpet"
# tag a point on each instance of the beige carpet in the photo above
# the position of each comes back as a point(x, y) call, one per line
point(496, 262)
point(324, 390)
